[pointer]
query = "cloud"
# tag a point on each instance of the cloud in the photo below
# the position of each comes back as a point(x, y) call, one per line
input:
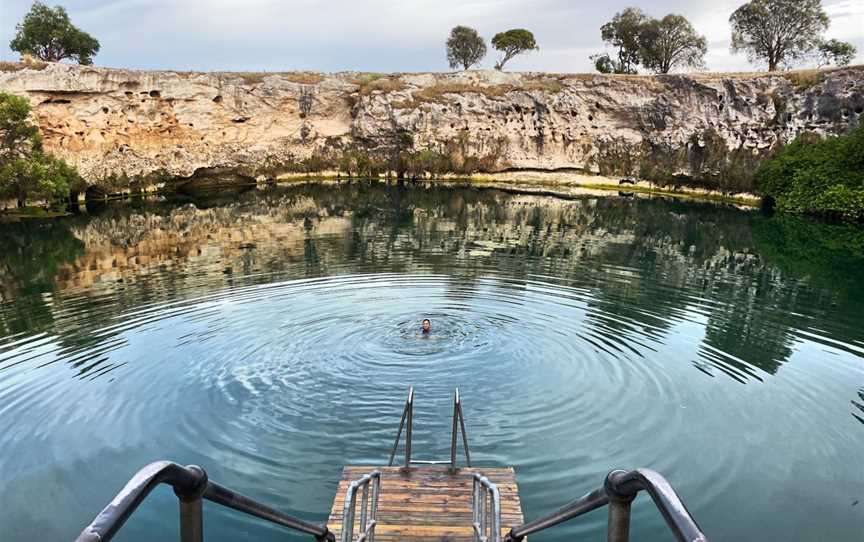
point(374, 35)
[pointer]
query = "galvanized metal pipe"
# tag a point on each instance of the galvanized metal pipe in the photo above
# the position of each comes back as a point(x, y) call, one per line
point(231, 499)
point(453, 433)
point(409, 430)
point(626, 484)
point(464, 435)
point(368, 521)
point(620, 487)
point(191, 520)
point(191, 485)
point(618, 525)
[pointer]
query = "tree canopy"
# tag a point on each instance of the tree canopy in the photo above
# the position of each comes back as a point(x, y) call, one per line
point(659, 45)
point(778, 31)
point(671, 42)
point(622, 32)
point(511, 43)
point(25, 170)
point(19, 137)
point(49, 35)
point(465, 47)
point(836, 52)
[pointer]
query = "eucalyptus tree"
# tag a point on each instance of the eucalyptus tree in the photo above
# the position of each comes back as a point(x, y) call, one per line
point(778, 31)
point(835, 52)
point(671, 42)
point(623, 32)
point(511, 43)
point(49, 35)
point(465, 47)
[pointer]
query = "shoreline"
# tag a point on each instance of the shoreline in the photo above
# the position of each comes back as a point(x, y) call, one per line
point(552, 184)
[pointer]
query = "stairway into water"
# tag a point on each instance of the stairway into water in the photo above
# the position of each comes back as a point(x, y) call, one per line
point(418, 501)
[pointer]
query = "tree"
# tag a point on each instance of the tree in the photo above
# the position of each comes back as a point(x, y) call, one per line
point(836, 52)
point(25, 170)
point(511, 43)
point(778, 31)
point(603, 63)
point(19, 137)
point(671, 42)
point(49, 35)
point(465, 47)
point(624, 32)
point(36, 175)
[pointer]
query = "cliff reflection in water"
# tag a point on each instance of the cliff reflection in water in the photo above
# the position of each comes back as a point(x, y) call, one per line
point(755, 283)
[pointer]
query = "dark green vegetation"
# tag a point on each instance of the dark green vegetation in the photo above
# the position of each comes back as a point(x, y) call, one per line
point(660, 45)
point(465, 47)
point(812, 175)
point(48, 34)
point(26, 171)
point(511, 43)
point(836, 53)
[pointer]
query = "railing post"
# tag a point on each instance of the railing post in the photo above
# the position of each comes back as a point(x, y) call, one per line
point(409, 429)
point(192, 508)
point(618, 525)
point(464, 435)
point(191, 520)
point(454, 433)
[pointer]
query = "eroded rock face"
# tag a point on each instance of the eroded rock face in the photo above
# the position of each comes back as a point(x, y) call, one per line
point(121, 126)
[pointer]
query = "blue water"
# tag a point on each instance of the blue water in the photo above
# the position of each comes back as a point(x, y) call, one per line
point(271, 337)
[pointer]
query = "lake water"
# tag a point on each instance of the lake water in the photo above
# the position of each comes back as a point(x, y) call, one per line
point(271, 336)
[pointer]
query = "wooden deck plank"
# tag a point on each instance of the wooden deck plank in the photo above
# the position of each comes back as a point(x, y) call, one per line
point(428, 503)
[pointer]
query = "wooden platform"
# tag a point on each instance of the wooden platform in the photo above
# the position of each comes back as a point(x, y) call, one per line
point(426, 504)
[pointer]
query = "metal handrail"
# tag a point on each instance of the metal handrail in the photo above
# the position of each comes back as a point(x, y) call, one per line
point(458, 415)
point(407, 413)
point(368, 508)
point(191, 485)
point(618, 491)
point(486, 506)
point(407, 422)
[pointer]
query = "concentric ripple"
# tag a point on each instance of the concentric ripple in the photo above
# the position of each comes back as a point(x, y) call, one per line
point(579, 342)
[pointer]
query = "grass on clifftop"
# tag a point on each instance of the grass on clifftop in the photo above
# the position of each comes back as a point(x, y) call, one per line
point(18, 66)
point(437, 93)
point(255, 78)
point(815, 176)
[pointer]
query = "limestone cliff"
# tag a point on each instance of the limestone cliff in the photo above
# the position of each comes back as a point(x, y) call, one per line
point(120, 126)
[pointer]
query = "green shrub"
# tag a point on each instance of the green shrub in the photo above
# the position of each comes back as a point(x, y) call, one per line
point(811, 175)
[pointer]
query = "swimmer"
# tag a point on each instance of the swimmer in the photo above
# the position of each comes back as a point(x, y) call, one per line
point(426, 326)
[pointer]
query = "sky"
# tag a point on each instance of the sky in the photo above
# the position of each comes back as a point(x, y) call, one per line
point(377, 35)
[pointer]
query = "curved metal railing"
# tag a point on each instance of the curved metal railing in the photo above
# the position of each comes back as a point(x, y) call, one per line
point(191, 486)
point(618, 491)
point(368, 508)
point(486, 510)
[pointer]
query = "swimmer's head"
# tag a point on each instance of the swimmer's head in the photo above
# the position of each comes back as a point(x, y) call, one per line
point(427, 325)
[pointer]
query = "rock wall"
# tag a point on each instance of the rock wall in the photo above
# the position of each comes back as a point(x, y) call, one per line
point(121, 127)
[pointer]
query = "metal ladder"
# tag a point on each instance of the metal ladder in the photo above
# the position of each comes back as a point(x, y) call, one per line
point(192, 487)
point(458, 424)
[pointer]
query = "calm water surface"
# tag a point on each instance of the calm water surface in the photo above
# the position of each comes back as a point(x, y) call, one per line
point(271, 336)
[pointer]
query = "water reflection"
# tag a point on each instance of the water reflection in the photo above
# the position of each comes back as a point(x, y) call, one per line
point(285, 316)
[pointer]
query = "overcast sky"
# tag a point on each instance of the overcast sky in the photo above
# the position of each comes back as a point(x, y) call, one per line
point(375, 35)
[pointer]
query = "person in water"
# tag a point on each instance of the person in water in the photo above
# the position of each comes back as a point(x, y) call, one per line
point(426, 326)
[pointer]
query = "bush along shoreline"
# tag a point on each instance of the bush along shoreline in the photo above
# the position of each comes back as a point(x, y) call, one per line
point(27, 172)
point(822, 177)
